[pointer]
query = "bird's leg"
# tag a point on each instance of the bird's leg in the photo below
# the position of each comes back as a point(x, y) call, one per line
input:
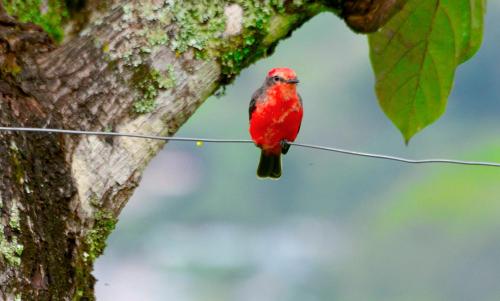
point(285, 146)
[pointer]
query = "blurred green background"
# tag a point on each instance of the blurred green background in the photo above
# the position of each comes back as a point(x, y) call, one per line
point(202, 227)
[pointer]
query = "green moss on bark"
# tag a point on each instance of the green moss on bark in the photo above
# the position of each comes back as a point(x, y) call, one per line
point(94, 245)
point(47, 14)
point(84, 280)
point(148, 81)
point(95, 239)
point(10, 249)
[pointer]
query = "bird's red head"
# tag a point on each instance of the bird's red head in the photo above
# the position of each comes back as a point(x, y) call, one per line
point(283, 75)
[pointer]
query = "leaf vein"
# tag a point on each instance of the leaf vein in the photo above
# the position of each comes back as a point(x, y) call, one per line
point(413, 112)
point(447, 14)
point(398, 30)
point(401, 85)
point(407, 51)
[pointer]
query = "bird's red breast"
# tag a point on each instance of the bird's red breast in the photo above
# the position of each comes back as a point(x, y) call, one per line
point(277, 112)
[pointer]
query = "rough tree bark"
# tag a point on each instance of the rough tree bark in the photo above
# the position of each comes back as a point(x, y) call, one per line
point(137, 66)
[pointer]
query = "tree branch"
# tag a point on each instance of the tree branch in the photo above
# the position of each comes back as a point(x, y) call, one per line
point(143, 67)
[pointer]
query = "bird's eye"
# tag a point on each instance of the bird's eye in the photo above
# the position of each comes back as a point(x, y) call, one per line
point(276, 78)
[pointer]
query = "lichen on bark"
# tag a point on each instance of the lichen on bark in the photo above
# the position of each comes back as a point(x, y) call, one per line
point(236, 33)
point(10, 249)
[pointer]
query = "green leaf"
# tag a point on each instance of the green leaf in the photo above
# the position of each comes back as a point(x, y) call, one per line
point(471, 24)
point(415, 55)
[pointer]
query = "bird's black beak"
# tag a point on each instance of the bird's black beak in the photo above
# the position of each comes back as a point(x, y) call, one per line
point(293, 81)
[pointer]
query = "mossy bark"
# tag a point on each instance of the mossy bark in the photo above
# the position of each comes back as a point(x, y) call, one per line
point(136, 66)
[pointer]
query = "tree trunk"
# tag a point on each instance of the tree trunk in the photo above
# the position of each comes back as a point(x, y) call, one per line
point(138, 66)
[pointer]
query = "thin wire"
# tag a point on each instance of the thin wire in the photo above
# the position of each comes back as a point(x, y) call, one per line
point(164, 138)
point(394, 158)
point(211, 140)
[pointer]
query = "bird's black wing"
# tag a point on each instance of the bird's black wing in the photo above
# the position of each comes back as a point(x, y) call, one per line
point(253, 101)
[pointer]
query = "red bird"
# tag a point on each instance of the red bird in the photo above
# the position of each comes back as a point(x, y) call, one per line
point(275, 116)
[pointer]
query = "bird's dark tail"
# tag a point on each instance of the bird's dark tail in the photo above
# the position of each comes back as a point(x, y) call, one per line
point(269, 166)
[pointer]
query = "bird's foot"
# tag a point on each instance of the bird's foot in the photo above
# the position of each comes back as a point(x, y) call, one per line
point(285, 146)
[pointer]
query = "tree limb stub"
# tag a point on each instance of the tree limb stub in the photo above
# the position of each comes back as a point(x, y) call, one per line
point(366, 16)
point(143, 67)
